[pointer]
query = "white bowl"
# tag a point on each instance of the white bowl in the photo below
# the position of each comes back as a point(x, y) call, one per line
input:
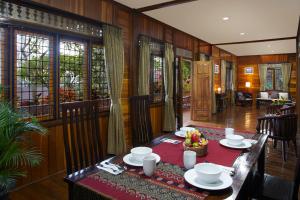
point(208, 172)
point(139, 153)
point(187, 128)
point(235, 139)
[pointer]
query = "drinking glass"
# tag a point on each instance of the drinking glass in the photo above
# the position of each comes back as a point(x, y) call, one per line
point(189, 159)
point(149, 165)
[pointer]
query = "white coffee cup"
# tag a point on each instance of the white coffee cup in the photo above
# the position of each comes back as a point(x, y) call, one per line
point(229, 131)
point(189, 159)
point(149, 165)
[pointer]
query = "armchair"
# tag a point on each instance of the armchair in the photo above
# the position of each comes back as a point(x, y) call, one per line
point(243, 98)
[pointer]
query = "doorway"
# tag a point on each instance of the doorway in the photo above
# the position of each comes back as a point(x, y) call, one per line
point(183, 89)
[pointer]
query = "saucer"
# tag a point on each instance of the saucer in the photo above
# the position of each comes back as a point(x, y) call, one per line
point(180, 134)
point(245, 144)
point(128, 159)
point(192, 178)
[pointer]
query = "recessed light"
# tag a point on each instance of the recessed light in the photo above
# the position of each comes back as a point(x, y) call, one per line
point(269, 45)
point(242, 33)
point(225, 18)
point(272, 51)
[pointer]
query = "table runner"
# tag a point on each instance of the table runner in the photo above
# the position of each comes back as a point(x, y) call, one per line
point(166, 183)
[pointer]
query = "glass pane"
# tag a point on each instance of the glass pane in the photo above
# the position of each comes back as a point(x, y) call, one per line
point(278, 79)
point(99, 87)
point(186, 77)
point(72, 71)
point(269, 80)
point(157, 79)
point(33, 58)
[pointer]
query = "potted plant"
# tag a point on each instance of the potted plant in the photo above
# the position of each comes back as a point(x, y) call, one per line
point(16, 148)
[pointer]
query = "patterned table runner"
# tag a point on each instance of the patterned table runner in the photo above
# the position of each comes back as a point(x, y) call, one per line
point(166, 183)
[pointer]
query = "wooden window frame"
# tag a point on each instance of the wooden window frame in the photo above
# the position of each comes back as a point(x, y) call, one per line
point(57, 37)
point(273, 78)
point(153, 102)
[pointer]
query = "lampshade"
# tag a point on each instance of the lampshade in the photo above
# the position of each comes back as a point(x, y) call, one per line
point(248, 84)
point(219, 90)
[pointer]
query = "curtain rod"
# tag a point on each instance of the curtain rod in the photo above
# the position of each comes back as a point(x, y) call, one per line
point(153, 39)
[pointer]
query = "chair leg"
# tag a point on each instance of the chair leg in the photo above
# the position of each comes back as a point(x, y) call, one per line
point(295, 146)
point(283, 150)
point(70, 191)
point(274, 143)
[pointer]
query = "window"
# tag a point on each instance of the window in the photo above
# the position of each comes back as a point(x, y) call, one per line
point(274, 79)
point(73, 70)
point(33, 75)
point(99, 84)
point(156, 79)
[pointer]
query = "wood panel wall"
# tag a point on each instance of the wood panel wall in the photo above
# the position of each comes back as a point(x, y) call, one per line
point(218, 55)
point(133, 24)
point(254, 61)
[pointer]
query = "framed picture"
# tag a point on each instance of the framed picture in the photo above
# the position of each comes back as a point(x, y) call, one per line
point(216, 70)
point(248, 70)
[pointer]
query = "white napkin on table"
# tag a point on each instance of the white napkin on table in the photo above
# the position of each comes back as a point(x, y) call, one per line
point(109, 168)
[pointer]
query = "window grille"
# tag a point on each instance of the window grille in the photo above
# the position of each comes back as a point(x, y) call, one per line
point(73, 71)
point(33, 84)
point(156, 79)
point(99, 84)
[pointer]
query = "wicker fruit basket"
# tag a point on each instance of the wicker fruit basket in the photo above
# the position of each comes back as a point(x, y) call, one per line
point(200, 151)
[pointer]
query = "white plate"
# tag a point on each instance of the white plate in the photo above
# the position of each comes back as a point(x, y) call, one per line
point(130, 161)
point(186, 128)
point(180, 133)
point(192, 178)
point(245, 144)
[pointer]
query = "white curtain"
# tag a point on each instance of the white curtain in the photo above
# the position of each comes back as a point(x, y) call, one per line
point(234, 85)
point(169, 114)
point(262, 70)
point(286, 74)
point(223, 75)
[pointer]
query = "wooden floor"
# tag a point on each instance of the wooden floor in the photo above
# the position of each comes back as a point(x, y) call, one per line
point(240, 118)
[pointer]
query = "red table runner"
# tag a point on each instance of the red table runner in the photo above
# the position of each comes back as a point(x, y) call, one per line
point(166, 183)
point(173, 153)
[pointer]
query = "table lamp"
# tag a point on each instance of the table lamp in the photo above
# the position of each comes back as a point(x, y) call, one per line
point(219, 90)
point(248, 84)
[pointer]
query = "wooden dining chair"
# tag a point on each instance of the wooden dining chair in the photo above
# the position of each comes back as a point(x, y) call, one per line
point(274, 109)
point(140, 120)
point(280, 127)
point(81, 131)
point(287, 109)
point(279, 189)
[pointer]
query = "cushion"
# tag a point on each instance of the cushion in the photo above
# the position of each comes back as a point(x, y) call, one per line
point(264, 95)
point(283, 95)
point(274, 95)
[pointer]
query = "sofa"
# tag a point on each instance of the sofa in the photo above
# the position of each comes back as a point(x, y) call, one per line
point(243, 98)
point(267, 97)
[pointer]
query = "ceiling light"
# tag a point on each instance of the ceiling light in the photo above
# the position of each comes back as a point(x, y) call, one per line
point(242, 33)
point(272, 51)
point(225, 18)
point(269, 45)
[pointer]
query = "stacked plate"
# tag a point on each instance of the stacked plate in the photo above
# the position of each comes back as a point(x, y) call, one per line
point(183, 130)
point(208, 176)
point(135, 158)
point(235, 141)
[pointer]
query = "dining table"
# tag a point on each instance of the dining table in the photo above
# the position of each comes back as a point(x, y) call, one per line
point(168, 181)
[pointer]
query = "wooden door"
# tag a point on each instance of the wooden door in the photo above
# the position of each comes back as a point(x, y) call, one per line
point(201, 90)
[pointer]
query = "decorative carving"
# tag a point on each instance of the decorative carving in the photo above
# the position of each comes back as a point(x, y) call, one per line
point(19, 13)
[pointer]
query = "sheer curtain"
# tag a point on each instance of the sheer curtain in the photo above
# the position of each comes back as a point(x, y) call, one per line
point(144, 66)
point(234, 86)
point(114, 57)
point(169, 114)
point(262, 70)
point(223, 75)
point(286, 74)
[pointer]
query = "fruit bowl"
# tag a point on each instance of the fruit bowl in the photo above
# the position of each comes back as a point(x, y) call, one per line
point(195, 141)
